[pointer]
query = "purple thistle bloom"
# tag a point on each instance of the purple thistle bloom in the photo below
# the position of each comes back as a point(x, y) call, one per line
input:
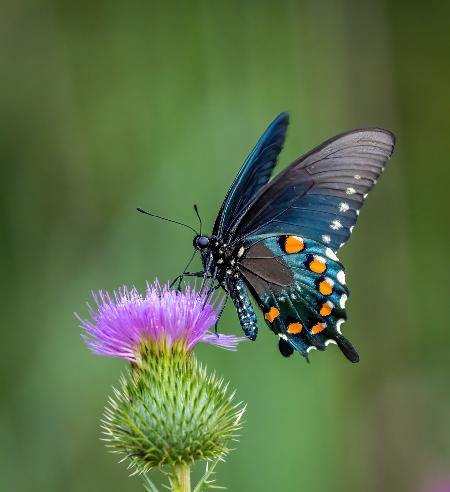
point(122, 322)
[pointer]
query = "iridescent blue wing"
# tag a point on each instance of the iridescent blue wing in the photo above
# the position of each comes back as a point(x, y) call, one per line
point(253, 175)
point(300, 286)
point(320, 194)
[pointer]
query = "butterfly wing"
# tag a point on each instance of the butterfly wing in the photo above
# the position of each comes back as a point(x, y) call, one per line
point(320, 194)
point(253, 175)
point(300, 286)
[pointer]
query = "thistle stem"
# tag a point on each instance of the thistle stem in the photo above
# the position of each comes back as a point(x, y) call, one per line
point(183, 474)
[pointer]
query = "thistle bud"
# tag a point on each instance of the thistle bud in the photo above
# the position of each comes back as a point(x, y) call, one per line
point(167, 411)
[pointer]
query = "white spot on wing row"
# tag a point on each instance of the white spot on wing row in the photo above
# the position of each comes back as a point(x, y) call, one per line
point(343, 207)
point(350, 191)
point(335, 225)
point(326, 238)
point(241, 251)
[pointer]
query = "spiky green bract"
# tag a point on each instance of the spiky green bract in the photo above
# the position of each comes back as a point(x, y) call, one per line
point(169, 411)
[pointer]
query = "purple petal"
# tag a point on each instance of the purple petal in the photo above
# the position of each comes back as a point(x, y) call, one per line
point(120, 323)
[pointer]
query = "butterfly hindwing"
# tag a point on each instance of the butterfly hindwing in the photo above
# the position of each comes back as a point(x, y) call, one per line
point(300, 286)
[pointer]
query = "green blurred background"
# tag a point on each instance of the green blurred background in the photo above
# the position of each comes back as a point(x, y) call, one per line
point(105, 106)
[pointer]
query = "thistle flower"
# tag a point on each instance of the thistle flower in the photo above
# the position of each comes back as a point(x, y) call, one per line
point(167, 409)
point(126, 320)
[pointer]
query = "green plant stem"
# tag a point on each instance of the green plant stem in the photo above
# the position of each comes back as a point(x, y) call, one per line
point(183, 475)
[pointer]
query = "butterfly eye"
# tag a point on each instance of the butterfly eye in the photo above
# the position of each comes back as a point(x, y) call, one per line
point(201, 242)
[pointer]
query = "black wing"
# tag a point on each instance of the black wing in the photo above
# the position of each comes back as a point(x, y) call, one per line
point(253, 175)
point(320, 194)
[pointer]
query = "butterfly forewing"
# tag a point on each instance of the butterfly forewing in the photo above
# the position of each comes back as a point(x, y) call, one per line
point(253, 175)
point(300, 286)
point(320, 194)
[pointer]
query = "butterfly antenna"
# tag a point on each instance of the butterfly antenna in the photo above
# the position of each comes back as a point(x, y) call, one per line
point(168, 220)
point(199, 218)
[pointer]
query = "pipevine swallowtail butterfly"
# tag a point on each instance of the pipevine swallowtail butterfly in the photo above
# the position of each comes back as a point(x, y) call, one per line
point(276, 240)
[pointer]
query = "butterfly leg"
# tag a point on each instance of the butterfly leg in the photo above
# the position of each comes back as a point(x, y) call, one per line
point(184, 271)
point(212, 288)
point(179, 278)
point(220, 314)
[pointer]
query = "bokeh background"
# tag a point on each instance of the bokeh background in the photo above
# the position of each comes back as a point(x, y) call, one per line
point(105, 106)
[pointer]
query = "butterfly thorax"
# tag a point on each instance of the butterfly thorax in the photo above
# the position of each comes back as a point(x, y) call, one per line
point(218, 259)
point(222, 262)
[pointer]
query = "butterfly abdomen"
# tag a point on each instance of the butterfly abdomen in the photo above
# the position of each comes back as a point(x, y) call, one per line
point(246, 314)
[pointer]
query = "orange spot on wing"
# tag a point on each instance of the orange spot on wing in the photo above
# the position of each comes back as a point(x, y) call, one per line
point(317, 328)
point(326, 287)
point(326, 308)
point(272, 314)
point(295, 328)
point(318, 265)
point(293, 244)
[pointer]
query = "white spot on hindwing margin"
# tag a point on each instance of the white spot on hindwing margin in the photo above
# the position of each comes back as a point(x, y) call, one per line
point(343, 300)
point(341, 277)
point(350, 191)
point(331, 254)
point(283, 336)
point(338, 325)
point(326, 238)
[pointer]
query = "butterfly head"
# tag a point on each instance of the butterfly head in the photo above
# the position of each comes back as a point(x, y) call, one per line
point(201, 242)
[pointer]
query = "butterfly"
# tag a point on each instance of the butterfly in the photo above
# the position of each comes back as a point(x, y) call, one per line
point(275, 240)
